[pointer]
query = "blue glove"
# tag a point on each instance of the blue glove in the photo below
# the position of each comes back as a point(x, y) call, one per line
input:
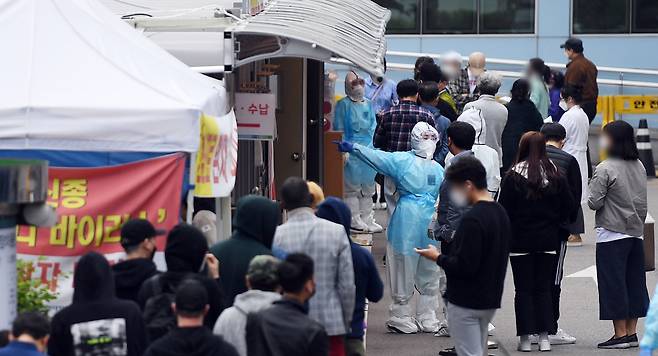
point(344, 146)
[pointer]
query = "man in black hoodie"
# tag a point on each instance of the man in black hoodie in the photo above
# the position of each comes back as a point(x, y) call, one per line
point(187, 257)
point(138, 240)
point(97, 323)
point(190, 337)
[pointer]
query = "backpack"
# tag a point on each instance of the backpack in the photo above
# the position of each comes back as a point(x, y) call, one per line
point(158, 316)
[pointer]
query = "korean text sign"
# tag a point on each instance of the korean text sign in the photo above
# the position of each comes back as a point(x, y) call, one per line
point(92, 205)
point(216, 160)
point(256, 117)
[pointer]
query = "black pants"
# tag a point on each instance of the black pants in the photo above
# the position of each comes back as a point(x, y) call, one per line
point(589, 107)
point(622, 281)
point(380, 180)
point(556, 289)
point(534, 276)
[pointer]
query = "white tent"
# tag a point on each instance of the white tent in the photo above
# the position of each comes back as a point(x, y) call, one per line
point(76, 77)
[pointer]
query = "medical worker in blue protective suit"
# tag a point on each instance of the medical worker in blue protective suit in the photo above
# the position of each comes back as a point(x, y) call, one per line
point(418, 179)
point(355, 116)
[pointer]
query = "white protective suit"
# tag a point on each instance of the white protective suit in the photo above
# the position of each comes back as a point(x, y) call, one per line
point(418, 179)
point(355, 116)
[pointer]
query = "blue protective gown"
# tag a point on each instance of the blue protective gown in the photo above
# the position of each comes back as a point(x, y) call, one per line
point(418, 181)
point(358, 123)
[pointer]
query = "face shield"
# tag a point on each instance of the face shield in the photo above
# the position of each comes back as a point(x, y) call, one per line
point(354, 86)
point(423, 140)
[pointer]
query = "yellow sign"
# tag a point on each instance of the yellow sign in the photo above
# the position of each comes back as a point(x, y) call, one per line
point(216, 160)
point(636, 104)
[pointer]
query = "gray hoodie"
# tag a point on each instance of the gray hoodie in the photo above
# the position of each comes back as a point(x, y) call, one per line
point(233, 321)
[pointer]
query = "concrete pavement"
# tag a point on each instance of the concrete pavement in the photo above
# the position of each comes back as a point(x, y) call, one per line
point(579, 306)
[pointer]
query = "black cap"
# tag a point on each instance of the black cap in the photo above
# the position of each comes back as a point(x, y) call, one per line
point(191, 297)
point(574, 44)
point(134, 231)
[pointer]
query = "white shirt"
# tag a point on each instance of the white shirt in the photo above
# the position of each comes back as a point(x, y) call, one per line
point(489, 159)
point(576, 124)
point(472, 81)
point(605, 235)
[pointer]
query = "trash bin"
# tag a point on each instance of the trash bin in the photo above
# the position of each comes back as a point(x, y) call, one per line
point(649, 244)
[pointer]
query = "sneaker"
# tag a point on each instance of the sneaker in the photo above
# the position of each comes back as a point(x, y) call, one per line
point(448, 352)
point(544, 343)
point(373, 227)
point(358, 225)
point(574, 241)
point(492, 345)
point(381, 206)
point(524, 344)
point(632, 340)
point(615, 343)
point(561, 338)
point(443, 331)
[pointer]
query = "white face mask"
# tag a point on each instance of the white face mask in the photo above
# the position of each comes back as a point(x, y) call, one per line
point(604, 143)
point(458, 198)
point(563, 105)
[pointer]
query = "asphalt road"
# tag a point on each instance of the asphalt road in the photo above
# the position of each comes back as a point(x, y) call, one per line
point(579, 306)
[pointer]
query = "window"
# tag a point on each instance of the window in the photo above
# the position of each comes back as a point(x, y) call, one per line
point(615, 16)
point(405, 16)
point(460, 16)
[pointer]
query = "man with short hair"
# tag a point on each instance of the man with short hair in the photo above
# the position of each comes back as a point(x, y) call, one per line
point(429, 97)
point(493, 112)
point(138, 240)
point(477, 262)
point(328, 245)
point(29, 335)
point(190, 337)
point(263, 283)
point(567, 165)
point(285, 329)
point(463, 86)
point(430, 72)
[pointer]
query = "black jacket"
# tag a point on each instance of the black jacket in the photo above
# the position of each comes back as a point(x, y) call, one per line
point(197, 341)
point(522, 116)
point(101, 322)
point(477, 262)
point(129, 275)
point(285, 330)
point(254, 225)
point(569, 169)
point(536, 222)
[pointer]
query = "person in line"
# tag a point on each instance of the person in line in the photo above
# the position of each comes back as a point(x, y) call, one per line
point(429, 97)
point(451, 65)
point(285, 329)
point(187, 257)
point(366, 277)
point(522, 117)
point(493, 112)
point(381, 91)
point(138, 240)
point(575, 123)
point(190, 337)
point(328, 245)
point(420, 61)
point(583, 73)
point(538, 201)
point(29, 331)
point(316, 192)
point(254, 224)
point(418, 178)
point(555, 86)
point(477, 262)
point(539, 74)
point(206, 221)
point(394, 130)
point(618, 194)
point(355, 117)
point(463, 86)
point(430, 72)
point(94, 312)
point(263, 283)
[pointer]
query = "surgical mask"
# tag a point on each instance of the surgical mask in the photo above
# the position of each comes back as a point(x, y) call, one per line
point(563, 105)
point(426, 149)
point(458, 198)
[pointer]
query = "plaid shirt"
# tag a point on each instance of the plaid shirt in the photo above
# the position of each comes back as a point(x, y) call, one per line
point(327, 244)
point(394, 130)
point(461, 91)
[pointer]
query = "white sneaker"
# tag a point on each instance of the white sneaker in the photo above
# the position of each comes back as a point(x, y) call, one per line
point(380, 206)
point(544, 343)
point(371, 224)
point(561, 338)
point(358, 225)
point(491, 328)
point(428, 326)
point(402, 325)
point(524, 344)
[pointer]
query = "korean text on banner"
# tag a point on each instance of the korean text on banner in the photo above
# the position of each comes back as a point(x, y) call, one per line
point(92, 204)
point(216, 160)
point(256, 116)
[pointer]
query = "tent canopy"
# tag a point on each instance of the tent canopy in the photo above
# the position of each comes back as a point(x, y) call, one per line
point(76, 77)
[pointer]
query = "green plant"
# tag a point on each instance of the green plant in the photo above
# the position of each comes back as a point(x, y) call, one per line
point(32, 294)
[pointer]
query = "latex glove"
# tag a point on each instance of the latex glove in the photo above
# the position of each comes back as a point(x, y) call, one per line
point(344, 146)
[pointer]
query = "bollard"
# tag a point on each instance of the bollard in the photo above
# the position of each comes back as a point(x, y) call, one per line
point(644, 147)
point(649, 244)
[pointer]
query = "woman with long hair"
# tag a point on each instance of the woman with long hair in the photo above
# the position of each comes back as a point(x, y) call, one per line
point(618, 194)
point(539, 74)
point(538, 201)
point(522, 116)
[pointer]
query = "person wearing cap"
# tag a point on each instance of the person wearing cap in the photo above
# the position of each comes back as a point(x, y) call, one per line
point(463, 86)
point(138, 240)
point(190, 337)
point(581, 71)
point(263, 284)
